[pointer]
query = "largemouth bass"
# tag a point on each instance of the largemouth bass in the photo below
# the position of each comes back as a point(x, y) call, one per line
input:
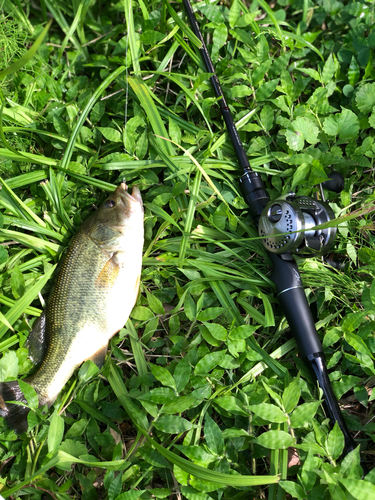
point(95, 290)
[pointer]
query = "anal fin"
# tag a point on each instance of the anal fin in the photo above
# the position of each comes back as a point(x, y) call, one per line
point(37, 340)
point(99, 356)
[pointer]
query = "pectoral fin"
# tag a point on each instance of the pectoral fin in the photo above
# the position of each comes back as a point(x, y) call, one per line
point(108, 275)
point(37, 341)
point(99, 356)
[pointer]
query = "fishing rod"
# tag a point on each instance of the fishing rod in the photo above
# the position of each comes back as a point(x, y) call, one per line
point(287, 227)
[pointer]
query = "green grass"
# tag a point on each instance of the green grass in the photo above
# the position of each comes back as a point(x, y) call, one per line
point(202, 393)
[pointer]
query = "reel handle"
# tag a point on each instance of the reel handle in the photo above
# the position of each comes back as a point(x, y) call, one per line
point(335, 183)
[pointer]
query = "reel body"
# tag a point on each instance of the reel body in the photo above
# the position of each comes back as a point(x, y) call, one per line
point(287, 225)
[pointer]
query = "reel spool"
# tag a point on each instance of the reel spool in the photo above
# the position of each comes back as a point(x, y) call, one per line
point(281, 219)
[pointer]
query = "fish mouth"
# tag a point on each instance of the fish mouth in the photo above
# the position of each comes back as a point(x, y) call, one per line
point(127, 199)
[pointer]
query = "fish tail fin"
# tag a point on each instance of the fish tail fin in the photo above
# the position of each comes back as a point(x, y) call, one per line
point(15, 415)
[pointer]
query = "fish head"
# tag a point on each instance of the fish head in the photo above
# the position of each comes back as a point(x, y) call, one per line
point(118, 222)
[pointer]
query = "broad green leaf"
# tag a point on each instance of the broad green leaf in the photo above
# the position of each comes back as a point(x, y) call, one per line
point(357, 343)
point(155, 304)
point(182, 374)
point(110, 134)
point(130, 495)
point(153, 457)
point(8, 366)
point(295, 140)
point(353, 72)
point(269, 412)
point(344, 124)
point(30, 394)
point(352, 321)
point(242, 332)
point(307, 129)
point(163, 375)
point(171, 424)
point(219, 38)
point(180, 405)
point(291, 395)
point(328, 69)
point(275, 440)
point(231, 405)
point(142, 313)
point(293, 489)
point(234, 13)
point(228, 362)
point(55, 432)
point(216, 330)
point(210, 313)
point(208, 362)
point(159, 395)
point(190, 308)
point(17, 282)
point(198, 454)
point(365, 97)
point(335, 442)
point(239, 91)
point(267, 116)
point(359, 489)
point(213, 435)
point(265, 91)
point(303, 414)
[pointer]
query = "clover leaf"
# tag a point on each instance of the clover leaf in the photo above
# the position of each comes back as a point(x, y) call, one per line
point(344, 124)
point(365, 97)
point(304, 129)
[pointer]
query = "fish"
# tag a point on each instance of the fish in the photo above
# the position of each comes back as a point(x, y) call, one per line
point(94, 293)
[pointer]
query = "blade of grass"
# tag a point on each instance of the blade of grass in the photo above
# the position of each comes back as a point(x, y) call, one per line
point(98, 415)
point(134, 51)
point(6, 301)
point(138, 353)
point(72, 139)
point(29, 131)
point(185, 29)
point(271, 15)
point(29, 54)
point(207, 474)
point(31, 157)
point(30, 241)
point(86, 179)
point(71, 30)
point(227, 302)
point(11, 341)
point(20, 306)
point(26, 211)
point(143, 93)
point(189, 218)
point(62, 22)
point(30, 226)
point(116, 381)
point(295, 37)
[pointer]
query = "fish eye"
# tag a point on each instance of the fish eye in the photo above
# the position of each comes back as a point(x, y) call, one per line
point(110, 204)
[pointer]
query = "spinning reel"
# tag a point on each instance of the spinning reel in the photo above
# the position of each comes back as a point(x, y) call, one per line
point(288, 224)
